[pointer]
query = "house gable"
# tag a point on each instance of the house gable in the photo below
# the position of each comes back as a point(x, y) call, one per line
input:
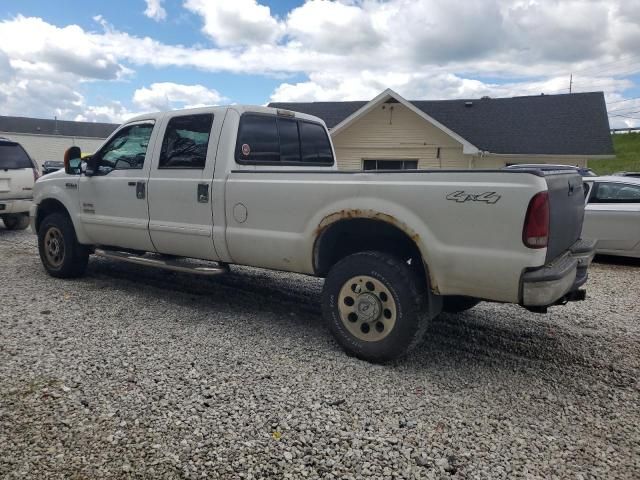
point(389, 95)
point(391, 131)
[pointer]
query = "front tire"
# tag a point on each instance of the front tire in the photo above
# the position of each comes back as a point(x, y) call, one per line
point(374, 306)
point(16, 221)
point(60, 252)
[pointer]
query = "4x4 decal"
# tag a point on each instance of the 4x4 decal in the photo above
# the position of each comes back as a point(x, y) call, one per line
point(461, 196)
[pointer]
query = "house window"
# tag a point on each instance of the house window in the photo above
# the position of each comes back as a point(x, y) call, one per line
point(390, 164)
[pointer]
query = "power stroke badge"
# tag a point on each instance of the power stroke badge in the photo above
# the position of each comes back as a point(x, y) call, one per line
point(461, 196)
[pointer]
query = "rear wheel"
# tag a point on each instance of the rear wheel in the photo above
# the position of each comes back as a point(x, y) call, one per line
point(16, 221)
point(60, 252)
point(374, 306)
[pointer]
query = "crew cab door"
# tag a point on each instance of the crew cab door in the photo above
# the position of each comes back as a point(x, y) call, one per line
point(180, 197)
point(113, 201)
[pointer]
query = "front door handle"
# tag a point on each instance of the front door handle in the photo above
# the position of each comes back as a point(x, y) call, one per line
point(141, 190)
point(203, 193)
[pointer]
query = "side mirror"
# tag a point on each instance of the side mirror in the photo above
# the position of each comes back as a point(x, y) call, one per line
point(73, 168)
point(88, 165)
point(72, 161)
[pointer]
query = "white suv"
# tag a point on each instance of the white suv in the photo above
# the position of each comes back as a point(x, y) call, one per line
point(18, 174)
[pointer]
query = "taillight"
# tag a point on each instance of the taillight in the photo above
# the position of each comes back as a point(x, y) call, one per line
point(535, 233)
point(36, 174)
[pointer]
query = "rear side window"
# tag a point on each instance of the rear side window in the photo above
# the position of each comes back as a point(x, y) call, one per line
point(616, 193)
point(13, 156)
point(186, 141)
point(273, 140)
point(315, 144)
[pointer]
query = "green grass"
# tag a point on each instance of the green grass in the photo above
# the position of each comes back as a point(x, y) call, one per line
point(627, 148)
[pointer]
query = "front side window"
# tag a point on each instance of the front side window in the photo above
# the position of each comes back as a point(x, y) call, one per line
point(271, 140)
point(186, 141)
point(390, 164)
point(616, 193)
point(126, 150)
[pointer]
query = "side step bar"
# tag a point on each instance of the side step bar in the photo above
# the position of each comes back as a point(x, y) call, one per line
point(175, 266)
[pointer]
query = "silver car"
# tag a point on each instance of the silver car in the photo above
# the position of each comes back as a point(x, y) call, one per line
point(612, 214)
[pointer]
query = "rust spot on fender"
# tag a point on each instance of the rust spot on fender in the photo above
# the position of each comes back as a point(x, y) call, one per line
point(346, 214)
point(351, 213)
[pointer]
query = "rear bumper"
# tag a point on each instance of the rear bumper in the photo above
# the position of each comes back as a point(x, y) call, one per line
point(15, 205)
point(559, 280)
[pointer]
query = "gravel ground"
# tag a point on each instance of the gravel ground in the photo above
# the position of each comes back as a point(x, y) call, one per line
point(134, 372)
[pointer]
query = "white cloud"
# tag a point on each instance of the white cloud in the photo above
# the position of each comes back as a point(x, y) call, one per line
point(237, 22)
point(113, 112)
point(349, 49)
point(167, 96)
point(155, 10)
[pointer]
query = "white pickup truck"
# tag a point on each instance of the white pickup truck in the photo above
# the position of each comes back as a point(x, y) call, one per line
point(258, 186)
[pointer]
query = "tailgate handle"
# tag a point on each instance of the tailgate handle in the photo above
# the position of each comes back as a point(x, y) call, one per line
point(572, 188)
point(203, 193)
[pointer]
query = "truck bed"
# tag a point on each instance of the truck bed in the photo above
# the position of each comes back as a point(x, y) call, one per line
point(467, 224)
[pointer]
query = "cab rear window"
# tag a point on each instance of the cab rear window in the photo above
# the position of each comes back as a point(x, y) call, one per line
point(274, 140)
point(13, 156)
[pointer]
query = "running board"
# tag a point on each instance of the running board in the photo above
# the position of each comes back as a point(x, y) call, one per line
point(175, 266)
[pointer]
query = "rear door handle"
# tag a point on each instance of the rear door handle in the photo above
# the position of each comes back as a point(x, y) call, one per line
point(203, 193)
point(141, 191)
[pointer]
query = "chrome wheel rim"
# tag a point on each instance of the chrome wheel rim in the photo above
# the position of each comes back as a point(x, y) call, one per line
point(367, 308)
point(54, 247)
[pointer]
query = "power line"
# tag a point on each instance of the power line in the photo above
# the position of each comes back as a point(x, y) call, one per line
point(622, 110)
point(625, 114)
point(624, 100)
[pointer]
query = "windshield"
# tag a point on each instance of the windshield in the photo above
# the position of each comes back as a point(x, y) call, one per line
point(13, 156)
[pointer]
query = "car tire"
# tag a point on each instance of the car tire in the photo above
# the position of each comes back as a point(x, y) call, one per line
point(60, 252)
point(458, 303)
point(16, 221)
point(374, 306)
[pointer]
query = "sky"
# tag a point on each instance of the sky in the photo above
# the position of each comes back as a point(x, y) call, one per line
point(109, 61)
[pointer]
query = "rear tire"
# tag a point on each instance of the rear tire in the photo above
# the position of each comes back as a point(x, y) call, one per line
point(17, 221)
point(458, 303)
point(374, 306)
point(60, 252)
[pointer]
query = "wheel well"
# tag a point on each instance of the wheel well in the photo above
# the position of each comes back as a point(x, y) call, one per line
point(46, 208)
point(346, 237)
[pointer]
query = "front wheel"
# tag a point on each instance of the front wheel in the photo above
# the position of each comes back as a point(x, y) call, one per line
point(16, 221)
point(60, 252)
point(374, 306)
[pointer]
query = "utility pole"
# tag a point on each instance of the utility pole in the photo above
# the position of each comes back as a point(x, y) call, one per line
point(570, 82)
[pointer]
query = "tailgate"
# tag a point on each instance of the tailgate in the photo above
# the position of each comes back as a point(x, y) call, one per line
point(16, 183)
point(566, 208)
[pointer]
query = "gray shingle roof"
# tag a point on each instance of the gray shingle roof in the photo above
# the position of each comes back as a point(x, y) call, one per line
point(67, 128)
point(568, 124)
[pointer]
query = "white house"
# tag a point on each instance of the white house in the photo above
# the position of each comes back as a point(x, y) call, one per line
point(392, 132)
point(47, 139)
